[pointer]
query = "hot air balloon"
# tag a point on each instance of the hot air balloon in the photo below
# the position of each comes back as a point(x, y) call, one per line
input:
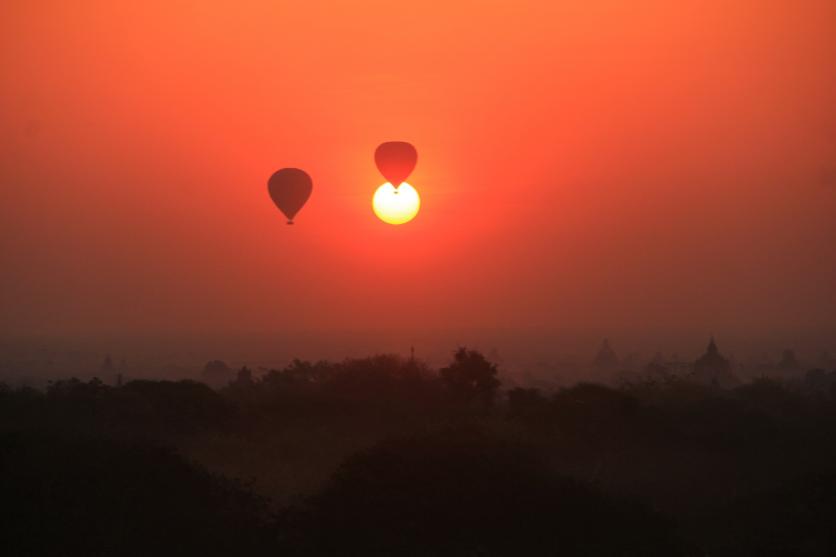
point(395, 160)
point(290, 189)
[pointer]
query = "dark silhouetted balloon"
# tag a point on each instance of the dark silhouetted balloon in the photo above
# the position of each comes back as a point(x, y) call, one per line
point(290, 189)
point(395, 160)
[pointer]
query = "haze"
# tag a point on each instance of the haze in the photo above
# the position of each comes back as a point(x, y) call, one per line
point(612, 168)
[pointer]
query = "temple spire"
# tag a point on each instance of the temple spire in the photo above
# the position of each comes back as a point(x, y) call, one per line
point(712, 346)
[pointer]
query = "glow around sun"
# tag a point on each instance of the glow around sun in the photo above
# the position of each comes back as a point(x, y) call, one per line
point(396, 205)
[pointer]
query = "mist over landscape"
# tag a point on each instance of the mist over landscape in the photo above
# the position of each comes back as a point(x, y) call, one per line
point(523, 356)
point(369, 278)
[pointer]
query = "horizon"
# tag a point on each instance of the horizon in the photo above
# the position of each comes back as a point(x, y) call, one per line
point(562, 358)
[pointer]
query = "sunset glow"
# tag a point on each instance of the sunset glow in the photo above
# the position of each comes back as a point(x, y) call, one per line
point(561, 146)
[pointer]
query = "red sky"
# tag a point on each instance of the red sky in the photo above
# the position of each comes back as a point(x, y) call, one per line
point(599, 165)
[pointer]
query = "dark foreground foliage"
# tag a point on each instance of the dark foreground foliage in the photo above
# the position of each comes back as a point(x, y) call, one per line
point(418, 462)
point(464, 493)
point(102, 498)
point(796, 518)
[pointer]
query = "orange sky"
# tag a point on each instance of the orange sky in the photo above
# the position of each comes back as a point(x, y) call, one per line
point(600, 165)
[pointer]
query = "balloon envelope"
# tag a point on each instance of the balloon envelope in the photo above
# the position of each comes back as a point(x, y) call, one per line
point(395, 160)
point(289, 189)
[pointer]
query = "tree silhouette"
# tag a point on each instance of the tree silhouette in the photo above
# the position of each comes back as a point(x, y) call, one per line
point(461, 492)
point(471, 378)
point(216, 373)
point(98, 497)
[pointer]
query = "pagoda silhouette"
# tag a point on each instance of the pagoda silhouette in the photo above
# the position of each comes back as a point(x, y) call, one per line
point(788, 361)
point(606, 359)
point(713, 369)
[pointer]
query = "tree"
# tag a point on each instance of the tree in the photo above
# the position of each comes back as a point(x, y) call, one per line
point(462, 492)
point(244, 378)
point(471, 377)
point(216, 373)
point(527, 404)
point(87, 496)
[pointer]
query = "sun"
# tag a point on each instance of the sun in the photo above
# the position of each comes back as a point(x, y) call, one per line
point(396, 205)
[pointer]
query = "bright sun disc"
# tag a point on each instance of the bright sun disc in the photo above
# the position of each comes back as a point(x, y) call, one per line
point(396, 205)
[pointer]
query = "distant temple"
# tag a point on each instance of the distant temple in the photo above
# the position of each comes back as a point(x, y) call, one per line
point(788, 361)
point(713, 369)
point(606, 358)
point(107, 364)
